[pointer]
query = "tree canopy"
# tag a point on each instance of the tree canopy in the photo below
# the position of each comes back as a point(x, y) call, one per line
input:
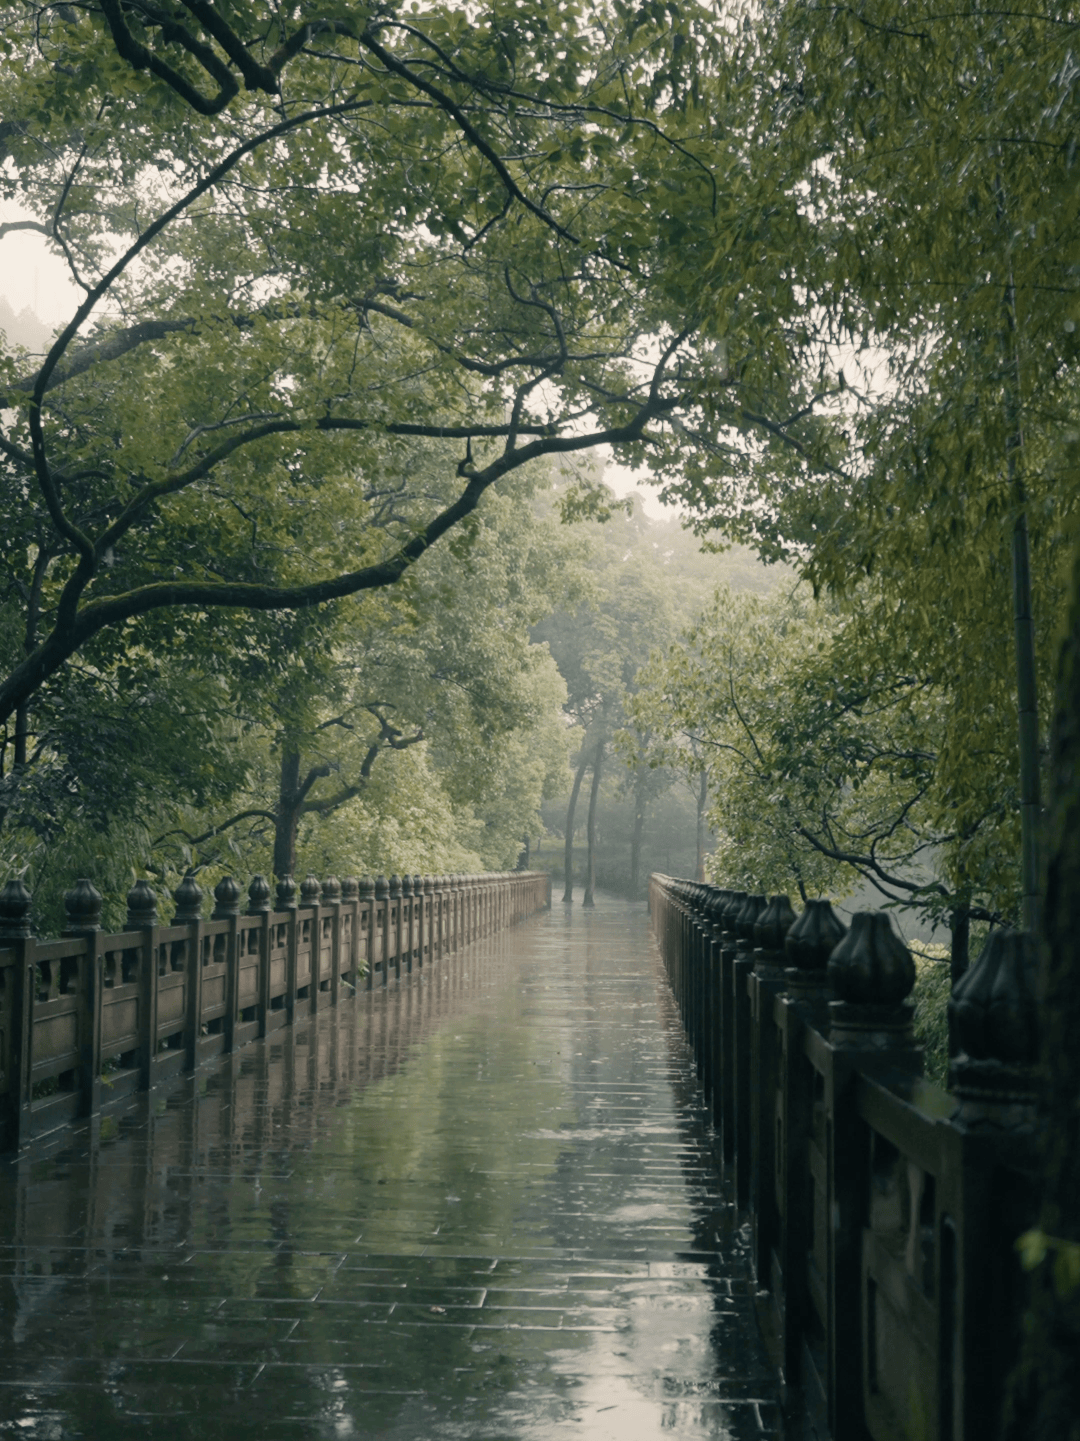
point(303, 245)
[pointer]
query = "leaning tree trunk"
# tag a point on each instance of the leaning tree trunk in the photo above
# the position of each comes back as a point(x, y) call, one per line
point(702, 800)
point(568, 858)
point(1044, 1398)
point(639, 831)
point(590, 883)
point(287, 813)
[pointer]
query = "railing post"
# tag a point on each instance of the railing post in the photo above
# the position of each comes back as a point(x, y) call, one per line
point(331, 902)
point(872, 972)
point(407, 922)
point(994, 1077)
point(766, 982)
point(442, 884)
point(310, 891)
point(714, 933)
point(83, 906)
point(227, 896)
point(724, 1113)
point(430, 911)
point(808, 945)
point(17, 937)
point(702, 897)
point(188, 897)
point(380, 933)
point(742, 1021)
point(142, 916)
point(416, 925)
point(395, 901)
point(351, 954)
point(369, 928)
point(259, 905)
point(286, 902)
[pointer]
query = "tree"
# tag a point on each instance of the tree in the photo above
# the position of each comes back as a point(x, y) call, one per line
point(599, 648)
point(651, 746)
point(443, 661)
point(825, 745)
point(931, 155)
point(1044, 1391)
point(458, 199)
point(725, 682)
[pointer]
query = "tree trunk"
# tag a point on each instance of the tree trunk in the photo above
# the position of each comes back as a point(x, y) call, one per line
point(702, 801)
point(568, 861)
point(960, 937)
point(1028, 717)
point(635, 843)
point(590, 883)
point(1023, 620)
point(1044, 1399)
point(288, 812)
point(22, 731)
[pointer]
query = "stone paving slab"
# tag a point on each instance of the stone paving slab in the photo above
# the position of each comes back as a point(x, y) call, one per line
point(482, 1206)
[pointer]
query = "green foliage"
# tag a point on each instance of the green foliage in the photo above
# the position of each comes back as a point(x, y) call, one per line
point(930, 203)
point(411, 228)
point(1036, 1246)
point(933, 986)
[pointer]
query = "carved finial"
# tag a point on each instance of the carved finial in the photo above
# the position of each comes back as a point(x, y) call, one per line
point(367, 888)
point(993, 1004)
point(310, 890)
point(429, 885)
point(286, 894)
point(382, 888)
point(189, 898)
point(350, 889)
point(746, 919)
point(735, 902)
point(395, 885)
point(772, 926)
point(331, 890)
point(813, 938)
point(83, 906)
point(15, 900)
point(994, 1015)
point(871, 966)
point(227, 895)
point(258, 896)
point(142, 906)
point(406, 885)
point(717, 901)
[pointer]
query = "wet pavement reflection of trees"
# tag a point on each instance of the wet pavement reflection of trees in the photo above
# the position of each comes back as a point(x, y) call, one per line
point(480, 1207)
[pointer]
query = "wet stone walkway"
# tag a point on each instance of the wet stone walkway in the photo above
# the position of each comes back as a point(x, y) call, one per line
point(479, 1207)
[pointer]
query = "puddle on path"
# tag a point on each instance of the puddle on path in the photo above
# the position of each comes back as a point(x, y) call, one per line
point(478, 1209)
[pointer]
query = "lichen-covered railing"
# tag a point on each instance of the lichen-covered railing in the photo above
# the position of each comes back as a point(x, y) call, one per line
point(89, 1019)
point(885, 1211)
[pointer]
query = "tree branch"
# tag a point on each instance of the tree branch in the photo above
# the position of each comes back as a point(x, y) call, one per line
point(218, 829)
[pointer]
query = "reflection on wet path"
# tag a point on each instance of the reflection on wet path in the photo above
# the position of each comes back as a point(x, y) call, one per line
point(480, 1207)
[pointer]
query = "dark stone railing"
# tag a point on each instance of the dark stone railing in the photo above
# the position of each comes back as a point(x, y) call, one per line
point(884, 1211)
point(88, 1020)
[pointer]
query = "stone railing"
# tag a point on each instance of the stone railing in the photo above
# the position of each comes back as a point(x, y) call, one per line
point(87, 1020)
point(884, 1210)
